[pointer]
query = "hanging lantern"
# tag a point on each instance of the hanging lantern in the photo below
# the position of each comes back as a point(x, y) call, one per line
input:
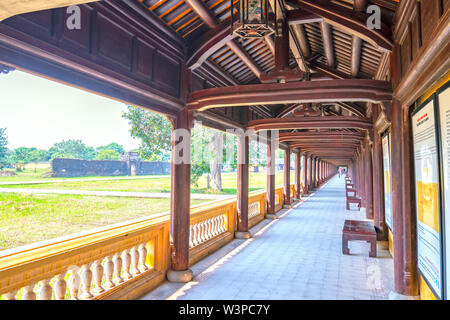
point(253, 19)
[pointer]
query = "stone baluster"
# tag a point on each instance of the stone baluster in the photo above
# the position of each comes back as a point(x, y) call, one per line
point(117, 268)
point(191, 236)
point(202, 233)
point(196, 235)
point(60, 287)
point(221, 224)
point(210, 229)
point(213, 227)
point(98, 276)
point(143, 257)
point(46, 290)
point(109, 270)
point(126, 265)
point(29, 293)
point(74, 284)
point(86, 280)
point(135, 260)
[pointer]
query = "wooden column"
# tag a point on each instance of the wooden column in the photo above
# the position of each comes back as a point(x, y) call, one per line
point(305, 174)
point(242, 187)
point(369, 181)
point(404, 233)
point(298, 192)
point(310, 172)
point(180, 198)
point(318, 172)
point(270, 177)
point(287, 176)
point(313, 173)
point(378, 189)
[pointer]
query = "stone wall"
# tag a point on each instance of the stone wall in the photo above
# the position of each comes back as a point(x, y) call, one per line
point(82, 168)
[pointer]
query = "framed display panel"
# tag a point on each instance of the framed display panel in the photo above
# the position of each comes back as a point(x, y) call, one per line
point(427, 186)
point(386, 147)
point(443, 107)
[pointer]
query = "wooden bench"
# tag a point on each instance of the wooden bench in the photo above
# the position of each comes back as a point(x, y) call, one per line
point(347, 191)
point(359, 230)
point(349, 186)
point(356, 200)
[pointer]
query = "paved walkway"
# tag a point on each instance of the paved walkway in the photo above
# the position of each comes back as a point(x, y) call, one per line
point(298, 256)
point(153, 195)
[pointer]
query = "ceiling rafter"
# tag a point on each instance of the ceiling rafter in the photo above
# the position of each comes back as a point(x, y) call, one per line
point(349, 20)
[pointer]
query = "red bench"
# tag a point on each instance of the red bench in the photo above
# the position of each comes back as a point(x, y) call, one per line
point(356, 200)
point(347, 191)
point(359, 230)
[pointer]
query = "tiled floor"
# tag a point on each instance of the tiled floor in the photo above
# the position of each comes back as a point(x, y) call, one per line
point(295, 257)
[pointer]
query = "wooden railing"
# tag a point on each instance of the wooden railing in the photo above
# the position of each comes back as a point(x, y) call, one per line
point(279, 198)
point(212, 226)
point(292, 192)
point(256, 207)
point(121, 261)
point(114, 262)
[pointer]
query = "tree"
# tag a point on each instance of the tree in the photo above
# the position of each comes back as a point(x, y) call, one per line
point(23, 155)
point(154, 132)
point(39, 156)
point(108, 155)
point(112, 146)
point(72, 149)
point(3, 148)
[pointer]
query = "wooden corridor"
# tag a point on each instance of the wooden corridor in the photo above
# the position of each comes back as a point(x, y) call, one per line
point(327, 87)
point(296, 257)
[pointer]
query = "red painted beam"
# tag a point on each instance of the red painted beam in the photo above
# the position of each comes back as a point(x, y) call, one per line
point(330, 122)
point(363, 90)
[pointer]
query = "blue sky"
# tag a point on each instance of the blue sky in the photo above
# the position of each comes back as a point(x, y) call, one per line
point(37, 112)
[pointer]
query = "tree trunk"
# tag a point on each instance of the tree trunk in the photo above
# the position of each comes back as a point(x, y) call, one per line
point(215, 164)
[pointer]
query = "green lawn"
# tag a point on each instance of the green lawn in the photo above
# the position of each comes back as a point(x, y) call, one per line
point(42, 174)
point(158, 184)
point(27, 218)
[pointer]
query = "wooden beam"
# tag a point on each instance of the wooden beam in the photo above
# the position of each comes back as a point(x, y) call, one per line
point(9, 8)
point(270, 43)
point(360, 6)
point(203, 12)
point(203, 47)
point(327, 70)
point(286, 136)
point(356, 55)
point(330, 122)
point(245, 57)
point(287, 109)
point(328, 44)
point(297, 48)
point(363, 90)
point(299, 16)
point(350, 21)
point(352, 108)
point(209, 19)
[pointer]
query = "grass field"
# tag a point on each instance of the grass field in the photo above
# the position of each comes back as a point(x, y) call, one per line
point(158, 184)
point(27, 218)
